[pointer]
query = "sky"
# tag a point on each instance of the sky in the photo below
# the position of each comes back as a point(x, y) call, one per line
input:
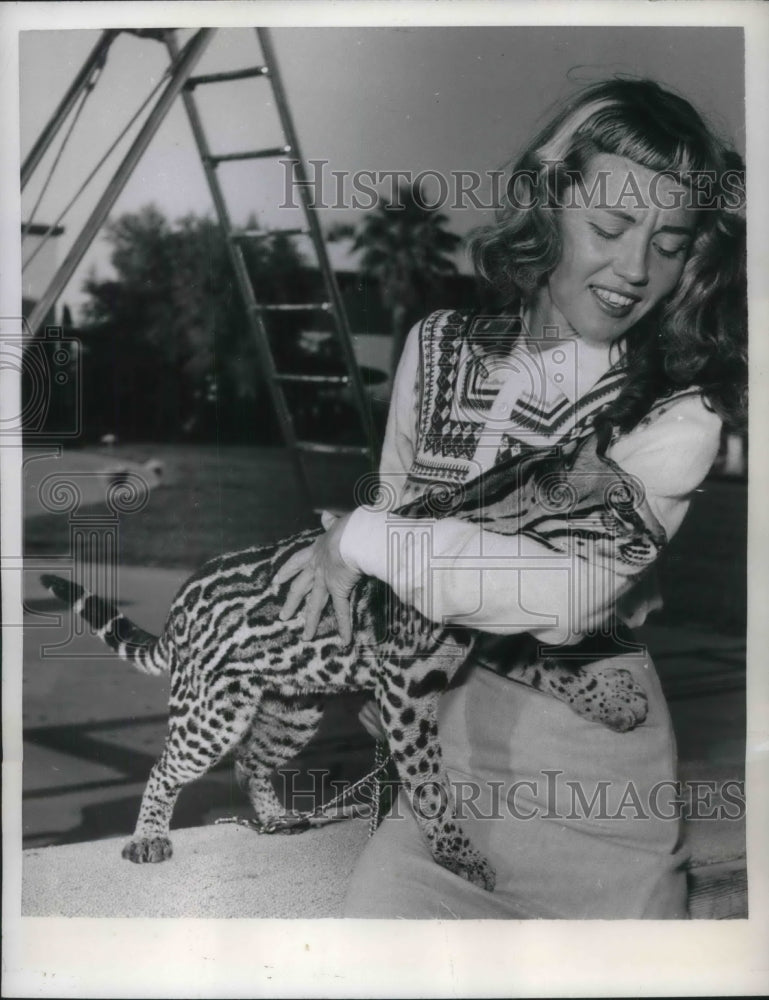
point(442, 99)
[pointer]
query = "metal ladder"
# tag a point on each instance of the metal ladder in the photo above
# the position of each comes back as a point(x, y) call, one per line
point(332, 306)
point(180, 81)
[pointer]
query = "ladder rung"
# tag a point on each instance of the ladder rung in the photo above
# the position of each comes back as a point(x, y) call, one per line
point(336, 449)
point(249, 154)
point(316, 379)
point(264, 234)
point(235, 74)
point(294, 307)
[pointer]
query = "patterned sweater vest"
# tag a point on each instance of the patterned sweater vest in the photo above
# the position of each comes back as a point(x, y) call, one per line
point(463, 362)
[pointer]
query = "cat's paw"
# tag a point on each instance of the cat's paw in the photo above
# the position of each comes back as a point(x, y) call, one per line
point(148, 850)
point(479, 872)
point(475, 869)
point(615, 699)
point(455, 852)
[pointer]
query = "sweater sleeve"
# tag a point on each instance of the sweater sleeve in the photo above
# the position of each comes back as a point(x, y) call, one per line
point(671, 456)
point(400, 434)
point(455, 572)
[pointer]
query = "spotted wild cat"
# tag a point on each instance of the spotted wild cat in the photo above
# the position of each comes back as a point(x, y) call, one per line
point(242, 680)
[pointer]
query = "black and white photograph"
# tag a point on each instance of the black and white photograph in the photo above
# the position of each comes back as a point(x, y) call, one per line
point(376, 551)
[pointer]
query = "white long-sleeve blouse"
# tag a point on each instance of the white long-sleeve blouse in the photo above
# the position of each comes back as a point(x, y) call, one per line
point(453, 571)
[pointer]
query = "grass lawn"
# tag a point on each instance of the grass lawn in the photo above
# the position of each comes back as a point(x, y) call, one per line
point(211, 500)
point(215, 499)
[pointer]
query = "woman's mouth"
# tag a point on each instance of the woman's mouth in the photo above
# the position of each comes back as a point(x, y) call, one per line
point(613, 303)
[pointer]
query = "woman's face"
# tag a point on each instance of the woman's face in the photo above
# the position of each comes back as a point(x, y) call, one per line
point(625, 236)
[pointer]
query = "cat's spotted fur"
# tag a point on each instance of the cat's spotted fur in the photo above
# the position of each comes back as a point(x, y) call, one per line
point(244, 681)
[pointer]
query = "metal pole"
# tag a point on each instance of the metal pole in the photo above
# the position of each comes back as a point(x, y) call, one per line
point(329, 278)
point(179, 73)
point(243, 279)
point(46, 137)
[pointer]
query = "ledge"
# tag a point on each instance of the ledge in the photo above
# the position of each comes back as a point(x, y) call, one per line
point(216, 871)
point(230, 871)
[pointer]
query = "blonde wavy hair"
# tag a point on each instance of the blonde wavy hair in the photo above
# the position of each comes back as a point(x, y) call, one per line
point(698, 335)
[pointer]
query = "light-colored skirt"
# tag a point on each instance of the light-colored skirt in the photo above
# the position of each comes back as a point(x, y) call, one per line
point(577, 820)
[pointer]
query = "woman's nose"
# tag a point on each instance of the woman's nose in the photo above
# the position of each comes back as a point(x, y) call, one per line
point(630, 262)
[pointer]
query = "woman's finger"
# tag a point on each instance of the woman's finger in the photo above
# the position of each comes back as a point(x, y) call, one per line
point(343, 617)
point(316, 602)
point(371, 721)
point(327, 519)
point(297, 592)
point(293, 565)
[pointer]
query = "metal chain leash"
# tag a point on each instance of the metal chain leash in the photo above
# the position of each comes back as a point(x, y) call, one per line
point(380, 765)
point(296, 822)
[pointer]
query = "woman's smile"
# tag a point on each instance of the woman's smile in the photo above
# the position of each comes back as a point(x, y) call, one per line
point(612, 302)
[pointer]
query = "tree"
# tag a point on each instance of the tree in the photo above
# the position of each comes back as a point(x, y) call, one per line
point(406, 247)
point(175, 315)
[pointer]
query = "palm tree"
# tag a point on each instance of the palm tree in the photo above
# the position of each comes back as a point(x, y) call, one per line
point(406, 247)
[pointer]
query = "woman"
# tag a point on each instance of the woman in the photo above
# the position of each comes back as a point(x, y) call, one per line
point(619, 256)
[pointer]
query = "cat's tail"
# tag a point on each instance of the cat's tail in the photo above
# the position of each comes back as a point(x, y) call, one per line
point(147, 652)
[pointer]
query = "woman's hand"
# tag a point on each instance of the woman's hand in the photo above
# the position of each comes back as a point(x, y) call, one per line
point(321, 572)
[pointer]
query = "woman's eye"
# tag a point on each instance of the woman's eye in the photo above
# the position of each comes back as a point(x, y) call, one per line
point(605, 234)
point(670, 252)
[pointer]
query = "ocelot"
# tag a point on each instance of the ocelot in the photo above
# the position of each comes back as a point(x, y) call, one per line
point(242, 680)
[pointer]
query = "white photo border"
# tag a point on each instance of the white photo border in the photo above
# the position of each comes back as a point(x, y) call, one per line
point(233, 958)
